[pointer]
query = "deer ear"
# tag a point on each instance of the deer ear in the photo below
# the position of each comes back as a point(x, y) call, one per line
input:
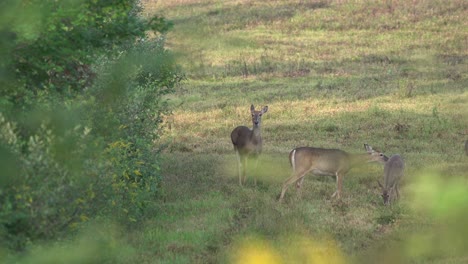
point(368, 148)
point(265, 109)
point(252, 108)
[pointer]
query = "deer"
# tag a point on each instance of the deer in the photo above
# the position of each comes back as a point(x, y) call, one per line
point(248, 143)
point(326, 162)
point(393, 172)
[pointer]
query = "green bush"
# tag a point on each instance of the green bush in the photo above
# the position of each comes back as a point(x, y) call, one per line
point(130, 105)
point(82, 106)
point(43, 196)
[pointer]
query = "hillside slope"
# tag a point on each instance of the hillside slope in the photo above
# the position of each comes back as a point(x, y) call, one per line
point(334, 74)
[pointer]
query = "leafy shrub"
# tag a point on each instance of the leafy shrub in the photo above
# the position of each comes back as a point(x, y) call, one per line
point(127, 117)
point(82, 106)
point(44, 196)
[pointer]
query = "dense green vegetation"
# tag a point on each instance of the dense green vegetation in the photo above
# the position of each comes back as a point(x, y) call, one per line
point(97, 169)
point(81, 104)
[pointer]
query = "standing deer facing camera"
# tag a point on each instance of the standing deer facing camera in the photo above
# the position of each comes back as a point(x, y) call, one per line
point(248, 142)
point(393, 172)
point(326, 162)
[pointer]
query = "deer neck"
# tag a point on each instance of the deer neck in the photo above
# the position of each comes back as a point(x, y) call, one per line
point(256, 133)
point(357, 159)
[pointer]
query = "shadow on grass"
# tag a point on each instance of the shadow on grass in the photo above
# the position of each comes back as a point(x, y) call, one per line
point(243, 15)
point(189, 175)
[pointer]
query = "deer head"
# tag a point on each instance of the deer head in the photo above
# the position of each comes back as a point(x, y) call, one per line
point(385, 194)
point(375, 155)
point(257, 115)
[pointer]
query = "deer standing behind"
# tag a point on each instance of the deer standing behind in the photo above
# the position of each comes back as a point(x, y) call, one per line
point(393, 172)
point(326, 162)
point(248, 142)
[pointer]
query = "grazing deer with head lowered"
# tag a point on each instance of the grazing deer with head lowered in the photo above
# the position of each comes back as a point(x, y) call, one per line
point(393, 172)
point(248, 142)
point(326, 162)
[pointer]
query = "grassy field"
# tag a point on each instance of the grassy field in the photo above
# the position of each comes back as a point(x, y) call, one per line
point(334, 74)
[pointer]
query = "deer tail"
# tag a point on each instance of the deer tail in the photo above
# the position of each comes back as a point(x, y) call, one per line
point(292, 159)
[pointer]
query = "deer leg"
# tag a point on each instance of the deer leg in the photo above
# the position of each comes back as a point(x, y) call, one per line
point(299, 186)
point(299, 182)
point(286, 185)
point(294, 177)
point(239, 167)
point(244, 162)
point(339, 182)
point(255, 171)
point(397, 191)
point(394, 193)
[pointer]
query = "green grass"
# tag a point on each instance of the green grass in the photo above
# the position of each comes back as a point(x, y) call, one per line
point(334, 74)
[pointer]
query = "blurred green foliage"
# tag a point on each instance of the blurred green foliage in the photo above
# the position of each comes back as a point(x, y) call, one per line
point(81, 103)
point(96, 243)
point(443, 200)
